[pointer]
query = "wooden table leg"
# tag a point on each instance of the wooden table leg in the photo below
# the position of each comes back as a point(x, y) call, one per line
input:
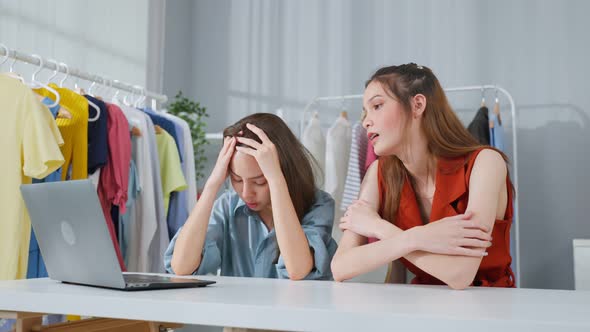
point(25, 321)
point(27, 324)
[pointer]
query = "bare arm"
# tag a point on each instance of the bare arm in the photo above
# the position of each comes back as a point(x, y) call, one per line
point(189, 244)
point(487, 181)
point(354, 256)
point(188, 249)
point(292, 241)
point(487, 187)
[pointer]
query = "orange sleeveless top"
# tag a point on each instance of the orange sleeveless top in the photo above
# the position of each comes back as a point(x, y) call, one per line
point(450, 198)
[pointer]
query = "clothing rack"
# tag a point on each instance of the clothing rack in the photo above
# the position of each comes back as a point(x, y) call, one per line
point(63, 68)
point(481, 88)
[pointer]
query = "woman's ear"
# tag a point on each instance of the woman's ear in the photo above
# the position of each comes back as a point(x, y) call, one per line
point(418, 105)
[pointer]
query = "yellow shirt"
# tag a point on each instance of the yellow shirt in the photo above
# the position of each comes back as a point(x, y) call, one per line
point(74, 131)
point(170, 168)
point(29, 146)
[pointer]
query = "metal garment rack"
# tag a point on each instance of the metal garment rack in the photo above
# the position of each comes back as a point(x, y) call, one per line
point(63, 68)
point(481, 88)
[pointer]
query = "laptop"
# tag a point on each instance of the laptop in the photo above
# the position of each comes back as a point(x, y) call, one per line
point(76, 244)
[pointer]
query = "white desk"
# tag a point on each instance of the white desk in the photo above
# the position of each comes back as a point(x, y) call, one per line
point(314, 305)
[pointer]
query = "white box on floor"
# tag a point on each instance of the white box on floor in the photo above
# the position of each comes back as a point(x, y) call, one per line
point(582, 264)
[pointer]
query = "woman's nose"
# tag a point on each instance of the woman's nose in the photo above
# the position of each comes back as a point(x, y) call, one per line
point(367, 122)
point(247, 190)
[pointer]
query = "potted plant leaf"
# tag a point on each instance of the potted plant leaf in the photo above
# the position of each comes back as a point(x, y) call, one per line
point(194, 114)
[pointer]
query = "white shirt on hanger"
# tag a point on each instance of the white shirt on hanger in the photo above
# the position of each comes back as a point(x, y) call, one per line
point(337, 155)
point(314, 140)
point(147, 219)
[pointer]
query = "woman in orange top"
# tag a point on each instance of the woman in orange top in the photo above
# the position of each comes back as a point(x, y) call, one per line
point(435, 199)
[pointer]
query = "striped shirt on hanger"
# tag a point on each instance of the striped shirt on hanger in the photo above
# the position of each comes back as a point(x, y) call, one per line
point(356, 165)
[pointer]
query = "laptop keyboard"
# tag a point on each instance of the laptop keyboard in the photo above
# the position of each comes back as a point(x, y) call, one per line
point(140, 278)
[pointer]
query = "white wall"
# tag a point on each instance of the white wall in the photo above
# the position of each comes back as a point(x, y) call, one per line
point(239, 57)
point(108, 37)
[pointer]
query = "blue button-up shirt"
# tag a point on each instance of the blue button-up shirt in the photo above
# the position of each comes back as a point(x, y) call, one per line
point(239, 243)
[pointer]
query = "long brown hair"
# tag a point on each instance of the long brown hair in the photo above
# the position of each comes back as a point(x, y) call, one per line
point(445, 134)
point(296, 161)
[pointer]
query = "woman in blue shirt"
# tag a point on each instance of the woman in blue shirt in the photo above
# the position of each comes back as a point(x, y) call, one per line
point(274, 224)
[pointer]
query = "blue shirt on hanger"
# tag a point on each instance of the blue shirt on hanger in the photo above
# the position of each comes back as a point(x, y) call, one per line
point(56, 175)
point(166, 124)
point(36, 266)
point(496, 132)
point(98, 146)
point(238, 242)
point(125, 228)
point(178, 208)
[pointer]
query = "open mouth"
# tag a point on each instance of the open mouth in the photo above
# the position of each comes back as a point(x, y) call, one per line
point(373, 137)
point(252, 205)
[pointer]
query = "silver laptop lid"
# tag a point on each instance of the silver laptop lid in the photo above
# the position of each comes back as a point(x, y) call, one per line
point(72, 233)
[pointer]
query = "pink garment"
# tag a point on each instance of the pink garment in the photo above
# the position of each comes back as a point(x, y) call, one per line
point(371, 157)
point(114, 176)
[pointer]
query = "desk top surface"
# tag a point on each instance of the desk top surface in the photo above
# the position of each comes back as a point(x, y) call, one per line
point(312, 305)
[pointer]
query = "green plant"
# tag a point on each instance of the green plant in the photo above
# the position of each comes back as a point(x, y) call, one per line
point(193, 113)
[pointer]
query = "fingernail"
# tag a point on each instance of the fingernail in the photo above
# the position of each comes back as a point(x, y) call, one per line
point(485, 253)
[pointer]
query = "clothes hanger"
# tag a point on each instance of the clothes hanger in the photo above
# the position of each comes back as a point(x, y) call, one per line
point(81, 91)
point(128, 103)
point(343, 112)
point(6, 52)
point(61, 83)
point(144, 99)
point(6, 57)
point(91, 88)
point(116, 98)
point(91, 104)
point(97, 94)
point(62, 113)
point(78, 88)
point(158, 129)
point(11, 72)
point(131, 95)
point(54, 72)
point(38, 84)
point(497, 107)
point(141, 98)
point(134, 123)
point(105, 88)
point(96, 108)
point(136, 101)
